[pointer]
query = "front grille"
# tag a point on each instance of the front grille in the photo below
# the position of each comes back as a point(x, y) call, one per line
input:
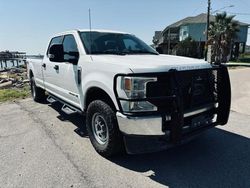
point(195, 87)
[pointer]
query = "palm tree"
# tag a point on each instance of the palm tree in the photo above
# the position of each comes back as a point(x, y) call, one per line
point(221, 34)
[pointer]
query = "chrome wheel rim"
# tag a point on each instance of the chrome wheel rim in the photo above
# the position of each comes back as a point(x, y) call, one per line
point(100, 129)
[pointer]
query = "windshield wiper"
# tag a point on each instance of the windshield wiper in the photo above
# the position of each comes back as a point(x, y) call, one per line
point(109, 52)
point(114, 52)
point(142, 52)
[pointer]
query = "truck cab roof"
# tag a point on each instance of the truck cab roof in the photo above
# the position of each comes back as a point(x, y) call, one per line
point(92, 30)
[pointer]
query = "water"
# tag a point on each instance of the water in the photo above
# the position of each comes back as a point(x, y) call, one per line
point(10, 64)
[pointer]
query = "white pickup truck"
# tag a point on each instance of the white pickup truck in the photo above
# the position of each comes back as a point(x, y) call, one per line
point(133, 97)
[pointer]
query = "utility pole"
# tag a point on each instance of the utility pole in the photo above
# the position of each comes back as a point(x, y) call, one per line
point(169, 41)
point(208, 17)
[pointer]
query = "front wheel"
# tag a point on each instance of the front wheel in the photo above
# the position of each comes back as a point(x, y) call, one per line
point(103, 129)
point(38, 94)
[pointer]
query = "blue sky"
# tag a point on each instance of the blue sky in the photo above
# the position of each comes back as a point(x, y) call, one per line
point(27, 25)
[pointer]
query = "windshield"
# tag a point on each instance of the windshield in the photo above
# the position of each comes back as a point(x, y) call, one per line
point(114, 43)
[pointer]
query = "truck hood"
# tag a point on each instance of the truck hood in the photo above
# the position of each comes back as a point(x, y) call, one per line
point(152, 63)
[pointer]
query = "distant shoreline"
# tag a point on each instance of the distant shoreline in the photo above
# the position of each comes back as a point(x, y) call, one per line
point(10, 65)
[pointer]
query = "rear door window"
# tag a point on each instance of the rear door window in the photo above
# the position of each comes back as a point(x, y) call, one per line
point(55, 40)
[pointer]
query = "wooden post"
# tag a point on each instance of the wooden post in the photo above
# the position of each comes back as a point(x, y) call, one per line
point(17, 63)
point(244, 47)
point(5, 62)
point(1, 64)
point(208, 17)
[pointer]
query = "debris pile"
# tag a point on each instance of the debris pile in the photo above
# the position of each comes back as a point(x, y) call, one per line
point(13, 78)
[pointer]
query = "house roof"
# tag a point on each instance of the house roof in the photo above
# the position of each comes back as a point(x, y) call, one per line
point(201, 18)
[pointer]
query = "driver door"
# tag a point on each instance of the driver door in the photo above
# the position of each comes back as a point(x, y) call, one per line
point(63, 76)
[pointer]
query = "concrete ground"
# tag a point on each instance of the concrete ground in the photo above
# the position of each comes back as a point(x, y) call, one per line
point(42, 147)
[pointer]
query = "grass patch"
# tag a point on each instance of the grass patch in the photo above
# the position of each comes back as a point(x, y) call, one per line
point(244, 58)
point(247, 62)
point(14, 93)
point(247, 56)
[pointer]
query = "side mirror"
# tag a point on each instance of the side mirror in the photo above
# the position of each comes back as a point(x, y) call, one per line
point(56, 53)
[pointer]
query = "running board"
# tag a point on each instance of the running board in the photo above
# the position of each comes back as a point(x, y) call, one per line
point(50, 99)
point(66, 108)
point(69, 109)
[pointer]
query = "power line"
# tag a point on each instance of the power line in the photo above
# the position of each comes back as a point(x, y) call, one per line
point(220, 10)
point(238, 13)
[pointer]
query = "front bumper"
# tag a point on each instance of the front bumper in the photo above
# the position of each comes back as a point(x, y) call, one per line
point(151, 125)
point(171, 119)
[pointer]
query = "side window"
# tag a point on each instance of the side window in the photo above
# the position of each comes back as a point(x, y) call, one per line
point(69, 45)
point(55, 40)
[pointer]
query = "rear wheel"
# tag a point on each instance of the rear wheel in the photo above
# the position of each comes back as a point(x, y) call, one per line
point(103, 129)
point(38, 94)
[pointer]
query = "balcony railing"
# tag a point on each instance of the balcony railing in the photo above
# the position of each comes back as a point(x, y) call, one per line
point(171, 37)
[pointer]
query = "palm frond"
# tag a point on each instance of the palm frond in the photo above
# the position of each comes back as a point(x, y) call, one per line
point(221, 33)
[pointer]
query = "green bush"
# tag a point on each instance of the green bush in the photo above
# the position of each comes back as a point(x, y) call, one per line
point(187, 47)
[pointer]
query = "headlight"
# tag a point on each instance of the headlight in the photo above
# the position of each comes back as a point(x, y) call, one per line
point(138, 106)
point(134, 88)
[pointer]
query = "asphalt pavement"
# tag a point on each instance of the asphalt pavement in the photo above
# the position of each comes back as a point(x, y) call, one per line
point(42, 147)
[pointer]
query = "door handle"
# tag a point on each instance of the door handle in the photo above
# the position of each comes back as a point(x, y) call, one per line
point(56, 67)
point(43, 65)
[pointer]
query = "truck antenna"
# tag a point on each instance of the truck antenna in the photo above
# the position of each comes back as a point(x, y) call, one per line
point(90, 36)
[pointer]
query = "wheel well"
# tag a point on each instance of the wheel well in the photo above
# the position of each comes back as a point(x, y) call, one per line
point(31, 74)
point(96, 93)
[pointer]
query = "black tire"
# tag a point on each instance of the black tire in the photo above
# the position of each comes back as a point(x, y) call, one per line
point(98, 113)
point(38, 94)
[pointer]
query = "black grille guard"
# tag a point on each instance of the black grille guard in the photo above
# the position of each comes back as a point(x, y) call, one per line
point(222, 110)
